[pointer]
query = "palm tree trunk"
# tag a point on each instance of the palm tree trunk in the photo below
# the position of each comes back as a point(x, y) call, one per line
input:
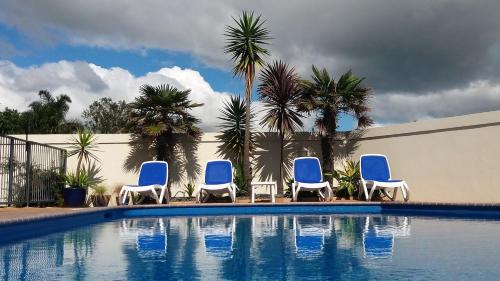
point(79, 165)
point(249, 76)
point(280, 179)
point(331, 142)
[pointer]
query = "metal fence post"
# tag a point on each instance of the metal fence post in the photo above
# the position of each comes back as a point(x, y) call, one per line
point(11, 172)
point(28, 172)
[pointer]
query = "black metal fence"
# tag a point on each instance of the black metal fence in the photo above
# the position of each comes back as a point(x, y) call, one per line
point(29, 171)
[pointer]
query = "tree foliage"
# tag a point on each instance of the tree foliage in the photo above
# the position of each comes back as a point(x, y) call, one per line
point(280, 93)
point(233, 129)
point(161, 112)
point(44, 116)
point(328, 98)
point(245, 42)
point(106, 116)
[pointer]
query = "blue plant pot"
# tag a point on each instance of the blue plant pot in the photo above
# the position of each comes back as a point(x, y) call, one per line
point(74, 196)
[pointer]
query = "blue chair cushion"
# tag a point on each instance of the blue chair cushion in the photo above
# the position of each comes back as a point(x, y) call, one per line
point(218, 244)
point(307, 170)
point(218, 172)
point(151, 242)
point(309, 243)
point(378, 246)
point(375, 167)
point(153, 173)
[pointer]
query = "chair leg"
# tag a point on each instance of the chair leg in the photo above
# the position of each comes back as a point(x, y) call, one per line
point(122, 196)
point(369, 198)
point(296, 194)
point(155, 195)
point(406, 191)
point(162, 195)
point(365, 190)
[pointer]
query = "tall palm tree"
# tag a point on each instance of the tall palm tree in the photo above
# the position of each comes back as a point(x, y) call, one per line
point(281, 94)
point(329, 98)
point(161, 112)
point(245, 42)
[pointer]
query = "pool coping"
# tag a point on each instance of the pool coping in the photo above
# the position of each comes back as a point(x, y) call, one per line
point(391, 206)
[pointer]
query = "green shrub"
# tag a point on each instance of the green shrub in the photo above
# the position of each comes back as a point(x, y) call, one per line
point(189, 189)
point(348, 179)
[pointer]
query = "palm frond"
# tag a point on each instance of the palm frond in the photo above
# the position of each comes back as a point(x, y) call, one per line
point(280, 92)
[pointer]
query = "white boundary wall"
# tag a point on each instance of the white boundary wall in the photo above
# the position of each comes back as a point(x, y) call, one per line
point(453, 159)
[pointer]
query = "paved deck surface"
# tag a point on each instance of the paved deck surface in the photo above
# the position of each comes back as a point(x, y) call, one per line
point(11, 213)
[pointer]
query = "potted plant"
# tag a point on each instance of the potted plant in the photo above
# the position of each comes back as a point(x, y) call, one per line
point(83, 146)
point(76, 191)
point(99, 197)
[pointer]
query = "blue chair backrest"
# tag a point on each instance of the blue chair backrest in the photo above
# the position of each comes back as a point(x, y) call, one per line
point(310, 243)
point(218, 172)
point(378, 246)
point(307, 170)
point(374, 167)
point(154, 242)
point(155, 172)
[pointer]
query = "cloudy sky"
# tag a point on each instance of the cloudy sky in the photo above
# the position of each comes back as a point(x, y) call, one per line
point(424, 59)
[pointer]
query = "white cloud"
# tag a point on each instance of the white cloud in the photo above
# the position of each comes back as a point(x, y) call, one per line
point(85, 82)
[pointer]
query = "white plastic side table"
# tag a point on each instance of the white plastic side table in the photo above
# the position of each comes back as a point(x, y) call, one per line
point(269, 184)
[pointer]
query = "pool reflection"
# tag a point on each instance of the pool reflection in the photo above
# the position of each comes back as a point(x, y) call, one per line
point(209, 248)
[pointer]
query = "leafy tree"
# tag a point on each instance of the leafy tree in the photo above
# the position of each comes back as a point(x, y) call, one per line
point(245, 42)
point(106, 116)
point(161, 112)
point(47, 116)
point(11, 122)
point(280, 93)
point(329, 98)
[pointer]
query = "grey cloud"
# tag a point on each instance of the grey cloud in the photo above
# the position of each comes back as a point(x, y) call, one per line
point(415, 48)
point(479, 96)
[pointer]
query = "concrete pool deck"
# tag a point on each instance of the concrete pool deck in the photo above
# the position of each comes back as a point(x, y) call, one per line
point(10, 214)
point(26, 214)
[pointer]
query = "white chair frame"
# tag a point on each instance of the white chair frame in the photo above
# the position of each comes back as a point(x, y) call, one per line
point(127, 190)
point(217, 188)
point(298, 186)
point(382, 186)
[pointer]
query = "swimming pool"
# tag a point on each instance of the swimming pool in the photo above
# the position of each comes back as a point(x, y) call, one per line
point(316, 242)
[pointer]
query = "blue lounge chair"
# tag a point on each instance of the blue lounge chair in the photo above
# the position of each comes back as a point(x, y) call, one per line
point(307, 175)
point(218, 180)
point(376, 174)
point(153, 176)
point(156, 242)
point(218, 235)
point(377, 244)
point(309, 234)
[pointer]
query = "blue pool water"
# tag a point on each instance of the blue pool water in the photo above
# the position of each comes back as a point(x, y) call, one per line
point(272, 247)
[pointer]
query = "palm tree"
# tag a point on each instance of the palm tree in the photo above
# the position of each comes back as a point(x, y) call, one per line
point(161, 112)
point(232, 137)
point(84, 147)
point(280, 93)
point(47, 116)
point(245, 43)
point(328, 99)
